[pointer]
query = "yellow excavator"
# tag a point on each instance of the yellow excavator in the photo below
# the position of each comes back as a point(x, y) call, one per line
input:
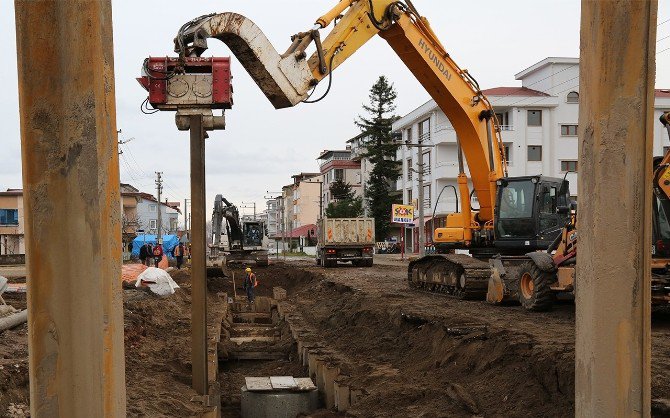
point(516, 215)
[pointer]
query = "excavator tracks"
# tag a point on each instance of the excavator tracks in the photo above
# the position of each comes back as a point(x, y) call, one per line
point(454, 274)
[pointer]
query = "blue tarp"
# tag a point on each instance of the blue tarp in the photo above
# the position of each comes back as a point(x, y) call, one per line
point(169, 242)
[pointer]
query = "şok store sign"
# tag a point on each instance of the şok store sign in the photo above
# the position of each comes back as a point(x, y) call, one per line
point(402, 214)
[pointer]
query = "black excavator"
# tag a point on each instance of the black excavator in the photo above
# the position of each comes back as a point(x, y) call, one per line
point(244, 240)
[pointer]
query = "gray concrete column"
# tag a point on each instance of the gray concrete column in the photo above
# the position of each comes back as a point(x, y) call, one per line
point(612, 365)
point(72, 208)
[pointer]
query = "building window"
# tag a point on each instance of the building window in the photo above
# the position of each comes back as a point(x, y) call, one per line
point(569, 165)
point(573, 97)
point(152, 224)
point(409, 169)
point(568, 130)
point(152, 207)
point(534, 117)
point(409, 197)
point(9, 216)
point(535, 153)
point(508, 152)
point(426, 162)
point(424, 130)
point(339, 174)
point(409, 135)
point(426, 196)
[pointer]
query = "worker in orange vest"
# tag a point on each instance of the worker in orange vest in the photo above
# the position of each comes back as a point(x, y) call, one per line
point(178, 253)
point(250, 283)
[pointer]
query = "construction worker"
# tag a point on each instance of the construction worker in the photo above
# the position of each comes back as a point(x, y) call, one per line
point(178, 253)
point(249, 283)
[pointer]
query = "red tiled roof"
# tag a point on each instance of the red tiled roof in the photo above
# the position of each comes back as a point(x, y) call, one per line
point(513, 91)
point(662, 92)
point(299, 232)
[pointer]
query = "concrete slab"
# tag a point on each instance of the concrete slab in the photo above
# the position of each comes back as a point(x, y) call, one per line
point(258, 384)
point(283, 382)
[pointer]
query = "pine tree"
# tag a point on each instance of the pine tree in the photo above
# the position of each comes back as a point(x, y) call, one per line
point(346, 205)
point(381, 152)
point(341, 190)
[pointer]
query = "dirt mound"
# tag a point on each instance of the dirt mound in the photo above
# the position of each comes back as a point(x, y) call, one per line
point(411, 363)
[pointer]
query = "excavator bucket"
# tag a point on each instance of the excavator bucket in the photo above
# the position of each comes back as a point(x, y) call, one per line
point(284, 80)
point(496, 290)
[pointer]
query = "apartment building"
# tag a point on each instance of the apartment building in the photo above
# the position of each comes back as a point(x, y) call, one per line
point(340, 165)
point(140, 211)
point(273, 216)
point(11, 222)
point(538, 127)
point(301, 201)
point(358, 148)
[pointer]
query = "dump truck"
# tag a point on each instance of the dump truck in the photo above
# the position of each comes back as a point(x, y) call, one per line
point(346, 240)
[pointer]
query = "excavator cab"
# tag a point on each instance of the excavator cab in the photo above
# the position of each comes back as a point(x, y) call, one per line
point(530, 212)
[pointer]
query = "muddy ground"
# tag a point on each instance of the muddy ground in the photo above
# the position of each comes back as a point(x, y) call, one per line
point(405, 348)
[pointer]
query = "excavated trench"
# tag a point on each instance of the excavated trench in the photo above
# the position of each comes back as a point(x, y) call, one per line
point(382, 356)
point(373, 347)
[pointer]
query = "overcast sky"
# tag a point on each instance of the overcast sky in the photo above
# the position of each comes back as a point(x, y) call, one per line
point(261, 147)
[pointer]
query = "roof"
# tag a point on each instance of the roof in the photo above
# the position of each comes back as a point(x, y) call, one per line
point(12, 192)
point(514, 91)
point(545, 62)
point(299, 232)
point(662, 92)
point(359, 136)
point(302, 176)
point(330, 151)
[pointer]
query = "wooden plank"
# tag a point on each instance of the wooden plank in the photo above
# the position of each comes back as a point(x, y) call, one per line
point(258, 384)
point(283, 382)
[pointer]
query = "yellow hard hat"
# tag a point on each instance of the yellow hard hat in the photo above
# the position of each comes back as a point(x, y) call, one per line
point(248, 270)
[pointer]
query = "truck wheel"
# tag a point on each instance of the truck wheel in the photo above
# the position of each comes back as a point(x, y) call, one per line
point(368, 263)
point(535, 292)
point(318, 261)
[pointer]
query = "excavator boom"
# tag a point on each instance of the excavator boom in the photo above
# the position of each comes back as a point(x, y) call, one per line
point(286, 80)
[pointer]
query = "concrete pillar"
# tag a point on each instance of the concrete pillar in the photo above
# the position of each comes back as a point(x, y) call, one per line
point(72, 208)
point(612, 365)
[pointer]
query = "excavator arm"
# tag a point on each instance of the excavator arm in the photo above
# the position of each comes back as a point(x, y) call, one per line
point(223, 209)
point(286, 80)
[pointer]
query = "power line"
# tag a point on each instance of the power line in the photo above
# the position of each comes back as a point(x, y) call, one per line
point(139, 171)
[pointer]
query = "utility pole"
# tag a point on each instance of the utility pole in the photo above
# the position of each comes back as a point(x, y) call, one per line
point(422, 229)
point(159, 189)
point(250, 203)
point(420, 146)
point(186, 202)
point(616, 126)
point(283, 227)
